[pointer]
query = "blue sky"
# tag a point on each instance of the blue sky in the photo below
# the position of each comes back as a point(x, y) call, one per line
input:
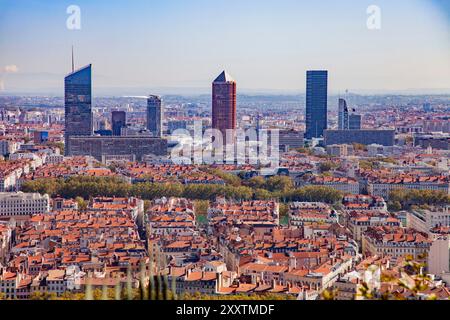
point(265, 45)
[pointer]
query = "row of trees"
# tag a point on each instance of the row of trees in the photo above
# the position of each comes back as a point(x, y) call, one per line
point(272, 184)
point(275, 183)
point(277, 188)
point(375, 163)
point(110, 294)
point(404, 199)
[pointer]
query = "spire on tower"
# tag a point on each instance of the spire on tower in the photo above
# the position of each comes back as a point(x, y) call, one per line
point(73, 64)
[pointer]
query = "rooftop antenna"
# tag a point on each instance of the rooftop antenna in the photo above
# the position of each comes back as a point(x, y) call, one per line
point(73, 64)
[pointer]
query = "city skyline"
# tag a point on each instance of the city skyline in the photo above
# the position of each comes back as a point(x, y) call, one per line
point(374, 61)
point(224, 151)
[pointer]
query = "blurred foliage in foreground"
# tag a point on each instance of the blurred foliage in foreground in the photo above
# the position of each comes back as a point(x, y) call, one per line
point(410, 284)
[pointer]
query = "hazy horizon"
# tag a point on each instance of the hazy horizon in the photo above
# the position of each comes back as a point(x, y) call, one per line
point(179, 47)
point(201, 92)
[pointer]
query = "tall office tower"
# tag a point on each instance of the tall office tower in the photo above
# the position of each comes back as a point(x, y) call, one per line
point(118, 120)
point(354, 121)
point(154, 118)
point(343, 120)
point(78, 104)
point(224, 103)
point(316, 103)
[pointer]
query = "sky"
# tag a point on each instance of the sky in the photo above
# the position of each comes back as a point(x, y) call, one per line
point(180, 46)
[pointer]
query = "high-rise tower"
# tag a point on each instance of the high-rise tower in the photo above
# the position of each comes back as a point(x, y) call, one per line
point(343, 115)
point(154, 117)
point(78, 104)
point(316, 103)
point(224, 103)
point(118, 121)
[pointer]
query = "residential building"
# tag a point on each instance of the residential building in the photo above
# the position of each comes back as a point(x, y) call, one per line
point(345, 185)
point(23, 204)
point(436, 140)
point(359, 221)
point(439, 256)
point(382, 187)
point(425, 220)
point(309, 212)
point(395, 242)
point(171, 216)
point(364, 202)
point(5, 241)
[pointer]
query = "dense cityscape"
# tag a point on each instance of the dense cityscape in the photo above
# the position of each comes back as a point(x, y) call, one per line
point(224, 158)
point(94, 204)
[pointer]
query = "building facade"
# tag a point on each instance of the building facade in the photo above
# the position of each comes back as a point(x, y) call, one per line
point(395, 242)
point(100, 147)
point(437, 140)
point(340, 150)
point(23, 204)
point(425, 220)
point(366, 137)
point(384, 187)
point(118, 121)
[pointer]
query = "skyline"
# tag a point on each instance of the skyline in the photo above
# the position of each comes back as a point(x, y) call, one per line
point(268, 47)
point(215, 157)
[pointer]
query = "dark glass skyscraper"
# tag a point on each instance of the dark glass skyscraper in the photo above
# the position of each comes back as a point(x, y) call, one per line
point(316, 103)
point(343, 120)
point(118, 121)
point(347, 120)
point(224, 103)
point(154, 118)
point(78, 104)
